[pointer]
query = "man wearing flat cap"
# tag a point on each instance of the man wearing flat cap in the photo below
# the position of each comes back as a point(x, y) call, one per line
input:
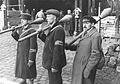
point(53, 58)
point(26, 51)
point(88, 53)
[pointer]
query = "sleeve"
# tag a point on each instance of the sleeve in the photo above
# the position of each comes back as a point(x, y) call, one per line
point(95, 53)
point(58, 50)
point(42, 36)
point(15, 35)
point(33, 48)
point(72, 47)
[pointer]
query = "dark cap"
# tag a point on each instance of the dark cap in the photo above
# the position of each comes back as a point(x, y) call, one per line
point(53, 12)
point(90, 18)
point(26, 16)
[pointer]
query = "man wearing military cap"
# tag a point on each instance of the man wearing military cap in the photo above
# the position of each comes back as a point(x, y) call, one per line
point(26, 51)
point(53, 58)
point(26, 16)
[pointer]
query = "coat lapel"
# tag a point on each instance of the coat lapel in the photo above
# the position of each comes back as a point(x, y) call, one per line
point(91, 32)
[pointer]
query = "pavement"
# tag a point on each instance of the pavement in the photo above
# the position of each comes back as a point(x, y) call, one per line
point(8, 48)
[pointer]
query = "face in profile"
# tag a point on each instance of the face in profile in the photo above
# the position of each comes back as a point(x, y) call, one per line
point(50, 18)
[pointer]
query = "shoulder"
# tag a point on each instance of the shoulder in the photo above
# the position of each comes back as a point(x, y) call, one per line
point(31, 30)
point(59, 31)
point(59, 28)
point(96, 35)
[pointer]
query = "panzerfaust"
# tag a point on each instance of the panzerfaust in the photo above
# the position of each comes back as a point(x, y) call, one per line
point(37, 21)
point(104, 14)
point(66, 18)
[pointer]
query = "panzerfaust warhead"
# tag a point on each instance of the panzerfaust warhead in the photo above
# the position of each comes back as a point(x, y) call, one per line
point(104, 14)
point(66, 18)
point(37, 21)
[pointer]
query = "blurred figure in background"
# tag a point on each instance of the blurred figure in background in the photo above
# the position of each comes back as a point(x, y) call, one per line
point(40, 14)
point(68, 25)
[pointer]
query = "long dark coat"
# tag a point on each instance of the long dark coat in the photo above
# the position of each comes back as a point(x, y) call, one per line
point(26, 50)
point(86, 58)
point(53, 53)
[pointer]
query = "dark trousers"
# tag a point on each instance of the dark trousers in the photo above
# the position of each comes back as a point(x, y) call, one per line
point(55, 77)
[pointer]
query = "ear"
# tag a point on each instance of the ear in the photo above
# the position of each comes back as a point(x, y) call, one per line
point(55, 17)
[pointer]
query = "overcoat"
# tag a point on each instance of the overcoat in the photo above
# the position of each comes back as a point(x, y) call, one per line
point(86, 58)
point(53, 53)
point(26, 50)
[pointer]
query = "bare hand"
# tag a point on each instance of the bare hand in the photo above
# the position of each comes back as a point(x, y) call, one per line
point(13, 28)
point(30, 63)
point(39, 29)
point(54, 70)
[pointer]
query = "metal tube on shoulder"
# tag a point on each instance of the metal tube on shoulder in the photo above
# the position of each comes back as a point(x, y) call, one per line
point(11, 29)
point(37, 21)
point(64, 19)
point(104, 14)
point(35, 33)
point(77, 37)
point(30, 35)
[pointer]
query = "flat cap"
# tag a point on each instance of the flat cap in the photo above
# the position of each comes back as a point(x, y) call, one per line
point(26, 16)
point(90, 18)
point(53, 11)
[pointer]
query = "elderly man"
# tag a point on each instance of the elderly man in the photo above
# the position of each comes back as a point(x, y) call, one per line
point(53, 58)
point(26, 51)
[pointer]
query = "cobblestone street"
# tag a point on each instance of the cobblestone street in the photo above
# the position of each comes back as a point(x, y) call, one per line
point(7, 64)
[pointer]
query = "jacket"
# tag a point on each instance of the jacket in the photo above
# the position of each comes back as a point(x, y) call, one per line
point(53, 54)
point(26, 50)
point(86, 58)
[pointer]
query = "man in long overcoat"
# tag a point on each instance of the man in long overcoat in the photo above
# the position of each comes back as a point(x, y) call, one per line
point(26, 51)
point(53, 58)
point(87, 53)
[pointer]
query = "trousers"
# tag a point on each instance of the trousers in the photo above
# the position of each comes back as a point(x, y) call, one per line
point(55, 77)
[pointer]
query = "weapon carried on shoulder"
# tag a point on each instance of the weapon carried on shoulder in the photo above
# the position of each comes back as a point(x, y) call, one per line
point(66, 18)
point(104, 14)
point(62, 20)
point(37, 21)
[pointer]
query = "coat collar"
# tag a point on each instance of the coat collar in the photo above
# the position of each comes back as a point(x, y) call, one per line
point(27, 28)
point(54, 26)
point(91, 32)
